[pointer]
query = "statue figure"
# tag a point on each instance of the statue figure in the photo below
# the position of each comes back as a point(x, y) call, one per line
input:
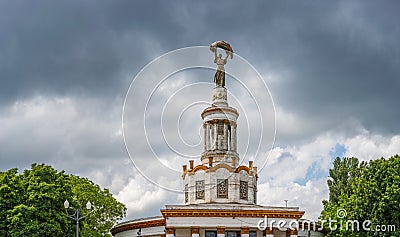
point(219, 77)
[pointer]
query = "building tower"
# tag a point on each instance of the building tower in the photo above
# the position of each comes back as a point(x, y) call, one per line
point(219, 178)
point(219, 193)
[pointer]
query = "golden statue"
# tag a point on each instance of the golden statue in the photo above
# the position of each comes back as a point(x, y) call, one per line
point(219, 77)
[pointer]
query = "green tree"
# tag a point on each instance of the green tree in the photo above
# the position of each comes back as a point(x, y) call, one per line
point(373, 196)
point(31, 204)
point(105, 212)
point(341, 177)
point(10, 190)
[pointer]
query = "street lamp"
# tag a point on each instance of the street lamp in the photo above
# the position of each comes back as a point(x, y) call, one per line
point(76, 216)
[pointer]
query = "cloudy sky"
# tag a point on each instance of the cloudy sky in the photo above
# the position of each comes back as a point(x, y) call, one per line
point(332, 69)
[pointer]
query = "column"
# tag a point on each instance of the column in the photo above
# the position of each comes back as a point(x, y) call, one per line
point(292, 232)
point(195, 231)
point(244, 231)
point(269, 232)
point(212, 141)
point(215, 135)
point(233, 137)
point(170, 231)
point(225, 143)
point(207, 136)
point(220, 231)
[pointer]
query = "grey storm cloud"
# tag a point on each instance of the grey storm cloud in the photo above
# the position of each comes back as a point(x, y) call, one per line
point(334, 58)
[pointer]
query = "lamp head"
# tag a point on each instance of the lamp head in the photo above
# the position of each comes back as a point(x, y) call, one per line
point(88, 205)
point(66, 204)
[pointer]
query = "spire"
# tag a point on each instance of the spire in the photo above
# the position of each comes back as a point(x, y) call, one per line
point(219, 178)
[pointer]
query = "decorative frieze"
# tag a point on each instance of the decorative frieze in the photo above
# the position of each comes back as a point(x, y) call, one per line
point(232, 213)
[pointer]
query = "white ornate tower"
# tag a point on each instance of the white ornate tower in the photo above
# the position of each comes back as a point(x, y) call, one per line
point(219, 193)
point(219, 178)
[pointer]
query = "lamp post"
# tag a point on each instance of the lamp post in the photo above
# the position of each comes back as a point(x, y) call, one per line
point(76, 216)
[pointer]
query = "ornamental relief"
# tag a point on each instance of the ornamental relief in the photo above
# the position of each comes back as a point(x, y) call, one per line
point(220, 95)
point(222, 188)
point(244, 187)
point(200, 189)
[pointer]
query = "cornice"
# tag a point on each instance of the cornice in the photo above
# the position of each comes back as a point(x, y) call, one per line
point(232, 213)
point(215, 168)
point(136, 225)
point(219, 110)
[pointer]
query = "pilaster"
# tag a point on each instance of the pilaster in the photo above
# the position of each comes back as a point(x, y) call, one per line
point(195, 231)
point(244, 231)
point(269, 232)
point(220, 231)
point(170, 231)
point(291, 232)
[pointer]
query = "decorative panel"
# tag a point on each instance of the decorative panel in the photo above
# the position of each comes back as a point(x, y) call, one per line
point(186, 193)
point(244, 187)
point(222, 188)
point(200, 194)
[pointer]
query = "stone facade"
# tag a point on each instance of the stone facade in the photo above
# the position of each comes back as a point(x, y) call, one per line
point(210, 177)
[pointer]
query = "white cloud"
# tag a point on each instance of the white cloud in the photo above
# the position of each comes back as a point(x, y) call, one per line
point(143, 198)
point(308, 197)
point(369, 146)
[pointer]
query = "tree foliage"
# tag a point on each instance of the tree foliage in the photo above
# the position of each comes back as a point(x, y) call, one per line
point(31, 204)
point(342, 176)
point(369, 192)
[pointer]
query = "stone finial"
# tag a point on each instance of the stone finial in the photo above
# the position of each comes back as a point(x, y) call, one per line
point(191, 164)
point(250, 164)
